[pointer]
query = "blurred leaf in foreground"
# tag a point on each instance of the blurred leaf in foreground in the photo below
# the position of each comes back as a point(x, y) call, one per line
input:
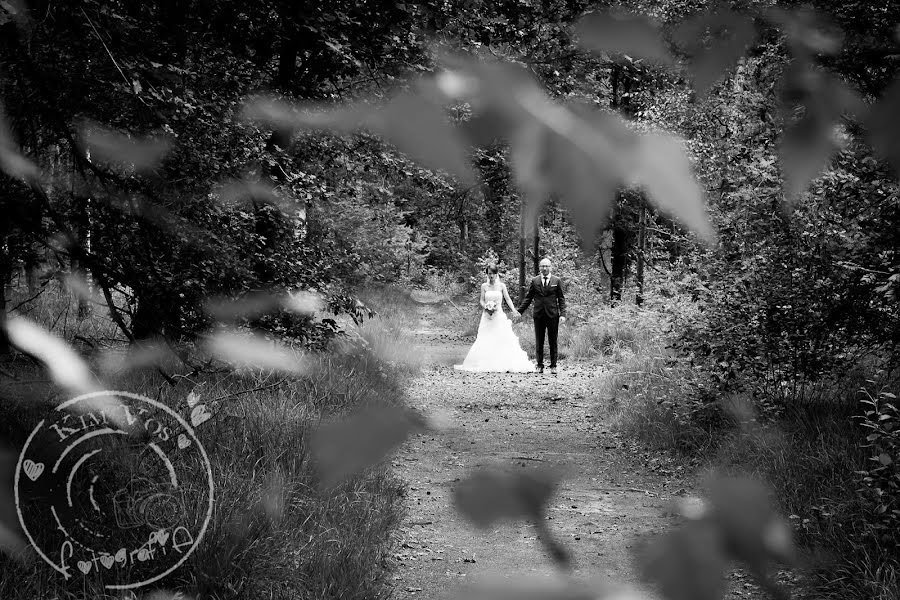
point(665, 172)
point(543, 588)
point(255, 304)
point(807, 31)
point(687, 564)
point(715, 41)
point(166, 595)
point(411, 122)
point(65, 367)
point(348, 446)
point(577, 151)
point(489, 496)
point(12, 539)
point(633, 35)
point(753, 531)
point(255, 352)
point(79, 285)
point(11, 161)
point(140, 355)
point(884, 126)
point(242, 192)
point(113, 148)
point(810, 139)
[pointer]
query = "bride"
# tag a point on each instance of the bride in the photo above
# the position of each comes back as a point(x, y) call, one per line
point(496, 347)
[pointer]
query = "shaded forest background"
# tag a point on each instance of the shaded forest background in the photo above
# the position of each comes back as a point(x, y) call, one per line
point(156, 194)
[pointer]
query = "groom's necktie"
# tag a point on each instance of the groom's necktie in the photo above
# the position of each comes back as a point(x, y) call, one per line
point(545, 283)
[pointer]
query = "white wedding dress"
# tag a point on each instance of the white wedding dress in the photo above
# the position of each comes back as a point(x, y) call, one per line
point(496, 347)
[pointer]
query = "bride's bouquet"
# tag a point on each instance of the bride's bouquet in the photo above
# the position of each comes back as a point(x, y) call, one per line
point(490, 307)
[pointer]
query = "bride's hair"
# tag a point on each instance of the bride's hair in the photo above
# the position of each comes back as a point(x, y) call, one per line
point(491, 268)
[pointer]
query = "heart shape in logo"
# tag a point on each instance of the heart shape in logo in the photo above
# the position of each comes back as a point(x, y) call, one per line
point(121, 555)
point(193, 399)
point(108, 560)
point(32, 469)
point(162, 536)
point(183, 441)
point(84, 566)
point(199, 415)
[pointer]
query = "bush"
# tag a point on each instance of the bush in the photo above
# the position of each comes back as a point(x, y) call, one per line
point(882, 479)
point(275, 530)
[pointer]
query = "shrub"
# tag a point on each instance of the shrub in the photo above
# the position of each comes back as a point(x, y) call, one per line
point(882, 479)
point(275, 530)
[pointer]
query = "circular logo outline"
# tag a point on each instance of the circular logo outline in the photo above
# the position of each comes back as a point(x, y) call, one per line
point(171, 413)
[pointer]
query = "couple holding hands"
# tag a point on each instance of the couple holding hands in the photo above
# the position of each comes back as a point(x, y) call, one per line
point(496, 347)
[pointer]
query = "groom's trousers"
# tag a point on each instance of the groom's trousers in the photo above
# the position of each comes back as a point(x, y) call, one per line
point(550, 326)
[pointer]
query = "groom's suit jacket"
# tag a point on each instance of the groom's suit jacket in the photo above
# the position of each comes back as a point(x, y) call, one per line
point(548, 301)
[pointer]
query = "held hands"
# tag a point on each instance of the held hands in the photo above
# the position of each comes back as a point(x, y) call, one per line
point(562, 320)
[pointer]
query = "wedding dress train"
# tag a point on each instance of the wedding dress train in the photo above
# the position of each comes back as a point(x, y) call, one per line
point(496, 347)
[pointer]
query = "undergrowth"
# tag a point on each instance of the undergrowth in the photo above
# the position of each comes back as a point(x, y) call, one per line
point(276, 531)
point(833, 469)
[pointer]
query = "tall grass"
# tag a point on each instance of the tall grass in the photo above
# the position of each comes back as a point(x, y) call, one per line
point(276, 531)
point(809, 449)
point(388, 335)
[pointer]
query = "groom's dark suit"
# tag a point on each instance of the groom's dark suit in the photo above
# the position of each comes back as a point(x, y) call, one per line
point(549, 306)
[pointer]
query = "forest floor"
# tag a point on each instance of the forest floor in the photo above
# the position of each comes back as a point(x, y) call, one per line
point(616, 492)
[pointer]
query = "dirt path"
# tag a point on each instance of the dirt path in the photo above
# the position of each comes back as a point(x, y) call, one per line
point(615, 491)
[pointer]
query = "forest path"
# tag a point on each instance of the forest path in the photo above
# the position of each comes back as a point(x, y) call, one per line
point(615, 492)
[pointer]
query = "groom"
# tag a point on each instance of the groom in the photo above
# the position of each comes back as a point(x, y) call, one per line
point(549, 311)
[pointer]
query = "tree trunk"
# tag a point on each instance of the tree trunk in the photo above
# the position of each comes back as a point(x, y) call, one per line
point(536, 234)
point(289, 46)
point(642, 246)
point(83, 231)
point(619, 260)
point(4, 277)
point(493, 212)
point(522, 250)
point(31, 271)
point(620, 100)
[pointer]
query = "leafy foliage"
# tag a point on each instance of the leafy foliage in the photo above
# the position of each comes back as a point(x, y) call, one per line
point(882, 480)
point(124, 159)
